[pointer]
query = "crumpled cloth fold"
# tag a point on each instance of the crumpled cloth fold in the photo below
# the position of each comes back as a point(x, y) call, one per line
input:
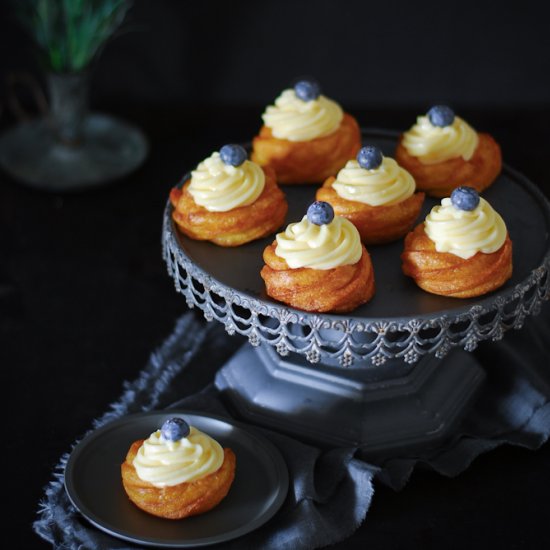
point(330, 490)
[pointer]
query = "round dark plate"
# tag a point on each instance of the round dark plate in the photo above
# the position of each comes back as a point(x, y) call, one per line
point(93, 483)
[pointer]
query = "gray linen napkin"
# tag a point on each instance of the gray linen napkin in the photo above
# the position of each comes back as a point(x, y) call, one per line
point(513, 407)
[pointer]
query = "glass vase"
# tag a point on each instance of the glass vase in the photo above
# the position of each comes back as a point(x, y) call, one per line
point(70, 148)
point(69, 104)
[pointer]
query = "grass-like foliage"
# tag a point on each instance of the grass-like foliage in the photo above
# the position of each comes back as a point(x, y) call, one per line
point(70, 33)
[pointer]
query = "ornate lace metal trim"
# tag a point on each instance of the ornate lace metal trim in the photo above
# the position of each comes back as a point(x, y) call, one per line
point(348, 340)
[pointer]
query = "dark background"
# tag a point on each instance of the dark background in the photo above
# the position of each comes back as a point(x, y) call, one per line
point(84, 295)
point(398, 54)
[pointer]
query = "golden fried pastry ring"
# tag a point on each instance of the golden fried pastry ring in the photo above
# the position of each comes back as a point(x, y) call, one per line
point(234, 227)
point(439, 180)
point(307, 161)
point(449, 275)
point(178, 501)
point(337, 290)
point(376, 224)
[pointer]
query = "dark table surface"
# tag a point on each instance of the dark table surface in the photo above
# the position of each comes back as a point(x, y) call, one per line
point(85, 298)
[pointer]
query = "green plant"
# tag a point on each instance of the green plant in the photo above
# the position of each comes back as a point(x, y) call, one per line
point(71, 32)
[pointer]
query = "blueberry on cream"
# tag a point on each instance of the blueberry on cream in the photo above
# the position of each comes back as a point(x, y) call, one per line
point(233, 155)
point(307, 90)
point(370, 157)
point(320, 213)
point(465, 198)
point(441, 116)
point(175, 429)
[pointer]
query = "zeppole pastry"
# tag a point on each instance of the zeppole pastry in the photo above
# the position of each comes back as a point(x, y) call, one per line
point(306, 137)
point(443, 152)
point(375, 194)
point(178, 471)
point(319, 264)
point(229, 200)
point(462, 249)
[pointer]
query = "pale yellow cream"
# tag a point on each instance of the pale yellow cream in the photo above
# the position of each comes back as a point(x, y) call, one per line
point(464, 233)
point(166, 463)
point(385, 185)
point(297, 120)
point(220, 187)
point(305, 244)
point(431, 144)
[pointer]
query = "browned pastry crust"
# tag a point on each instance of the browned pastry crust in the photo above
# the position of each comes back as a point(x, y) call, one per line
point(337, 290)
point(449, 275)
point(178, 501)
point(376, 224)
point(307, 161)
point(439, 180)
point(235, 227)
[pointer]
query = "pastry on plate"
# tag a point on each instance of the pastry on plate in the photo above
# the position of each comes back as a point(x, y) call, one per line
point(319, 264)
point(229, 200)
point(376, 195)
point(178, 471)
point(443, 152)
point(306, 137)
point(462, 249)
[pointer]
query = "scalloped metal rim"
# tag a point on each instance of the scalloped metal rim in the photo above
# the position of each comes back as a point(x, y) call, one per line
point(349, 340)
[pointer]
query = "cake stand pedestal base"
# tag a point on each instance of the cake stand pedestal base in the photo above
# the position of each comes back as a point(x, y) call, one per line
point(381, 409)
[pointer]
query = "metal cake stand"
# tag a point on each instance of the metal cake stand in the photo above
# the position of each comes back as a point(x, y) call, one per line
point(394, 374)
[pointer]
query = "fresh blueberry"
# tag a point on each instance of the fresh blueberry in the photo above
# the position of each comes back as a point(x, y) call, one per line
point(175, 429)
point(369, 157)
point(307, 90)
point(441, 115)
point(320, 213)
point(233, 154)
point(465, 198)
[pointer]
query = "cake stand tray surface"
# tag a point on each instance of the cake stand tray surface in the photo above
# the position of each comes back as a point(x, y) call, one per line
point(395, 343)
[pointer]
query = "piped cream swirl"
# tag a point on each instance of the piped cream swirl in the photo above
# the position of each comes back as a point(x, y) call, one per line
point(297, 120)
point(305, 244)
point(220, 187)
point(465, 233)
point(385, 185)
point(166, 463)
point(432, 144)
